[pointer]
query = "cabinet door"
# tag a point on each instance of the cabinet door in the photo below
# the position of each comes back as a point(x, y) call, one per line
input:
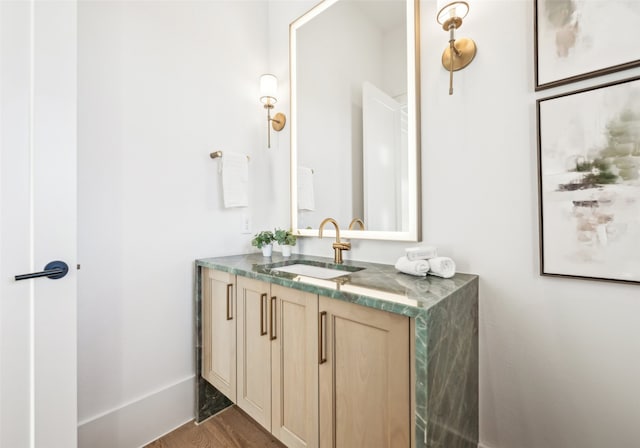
point(294, 358)
point(364, 377)
point(219, 331)
point(254, 350)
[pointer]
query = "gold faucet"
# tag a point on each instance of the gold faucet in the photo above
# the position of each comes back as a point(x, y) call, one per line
point(338, 246)
point(355, 221)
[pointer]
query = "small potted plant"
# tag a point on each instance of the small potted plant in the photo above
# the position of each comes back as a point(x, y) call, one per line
point(264, 240)
point(286, 239)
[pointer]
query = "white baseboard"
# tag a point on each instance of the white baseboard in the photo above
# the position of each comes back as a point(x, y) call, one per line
point(141, 421)
point(480, 445)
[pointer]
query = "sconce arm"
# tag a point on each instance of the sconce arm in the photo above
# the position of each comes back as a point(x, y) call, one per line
point(452, 40)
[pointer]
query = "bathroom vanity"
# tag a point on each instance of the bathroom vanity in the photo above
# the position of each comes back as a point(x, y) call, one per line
point(349, 355)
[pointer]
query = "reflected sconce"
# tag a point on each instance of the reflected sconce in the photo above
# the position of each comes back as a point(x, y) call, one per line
point(460, 52)
point(268, 91)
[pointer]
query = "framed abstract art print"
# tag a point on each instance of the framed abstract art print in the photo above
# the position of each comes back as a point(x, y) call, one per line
point(589, 182)
point(580, 39)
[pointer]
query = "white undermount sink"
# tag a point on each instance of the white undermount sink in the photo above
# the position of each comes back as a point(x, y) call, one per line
point(312, 271)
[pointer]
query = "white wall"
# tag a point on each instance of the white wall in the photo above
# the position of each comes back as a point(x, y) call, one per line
point(161, 85)
point(559, 358)
point(394, 80)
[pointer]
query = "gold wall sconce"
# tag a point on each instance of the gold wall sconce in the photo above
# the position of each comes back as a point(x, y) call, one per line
point(460, 52)
point(268, 91)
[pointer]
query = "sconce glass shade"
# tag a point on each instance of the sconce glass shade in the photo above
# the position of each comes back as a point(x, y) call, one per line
point(450, 10)
point(268, 88)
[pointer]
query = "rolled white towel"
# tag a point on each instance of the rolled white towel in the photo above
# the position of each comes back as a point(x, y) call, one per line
point(417, 267)
point(442, 267)
point(421, 253)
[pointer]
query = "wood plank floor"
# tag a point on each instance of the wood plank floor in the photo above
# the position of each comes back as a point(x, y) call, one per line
point(231, 428)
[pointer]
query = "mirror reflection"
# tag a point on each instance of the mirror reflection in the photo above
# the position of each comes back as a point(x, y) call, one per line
point(354, 115)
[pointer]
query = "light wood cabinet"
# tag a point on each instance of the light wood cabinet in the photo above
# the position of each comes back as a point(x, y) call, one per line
point(277, 360)
point(219, 331)
point(364, 377)
point(294, 358)
point(314, 371)
point(254, 350)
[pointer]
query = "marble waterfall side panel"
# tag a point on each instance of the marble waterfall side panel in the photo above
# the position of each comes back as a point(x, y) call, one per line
point(452, 365)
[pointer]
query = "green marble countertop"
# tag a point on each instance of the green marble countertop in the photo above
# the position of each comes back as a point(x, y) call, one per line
point(377, 286)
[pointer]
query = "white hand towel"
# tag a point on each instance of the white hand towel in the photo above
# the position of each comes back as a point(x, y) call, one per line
point(442, 267)
point(235, 180)
point(417, 267)
point(421, 253)
point(306, 197)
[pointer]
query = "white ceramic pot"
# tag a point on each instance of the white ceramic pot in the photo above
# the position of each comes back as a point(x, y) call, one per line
point(286, 250)
point(266, 250)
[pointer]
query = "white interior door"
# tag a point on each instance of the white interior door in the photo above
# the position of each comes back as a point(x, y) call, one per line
point(385, 161)
point(37, 223)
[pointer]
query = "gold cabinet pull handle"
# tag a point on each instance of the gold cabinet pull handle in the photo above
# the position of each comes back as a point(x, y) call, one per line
point(263, 305)
point(229, 288)
point(322, 320)
point(272, 310)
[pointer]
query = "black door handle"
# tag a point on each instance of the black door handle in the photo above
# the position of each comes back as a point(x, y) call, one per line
point(53, 270)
